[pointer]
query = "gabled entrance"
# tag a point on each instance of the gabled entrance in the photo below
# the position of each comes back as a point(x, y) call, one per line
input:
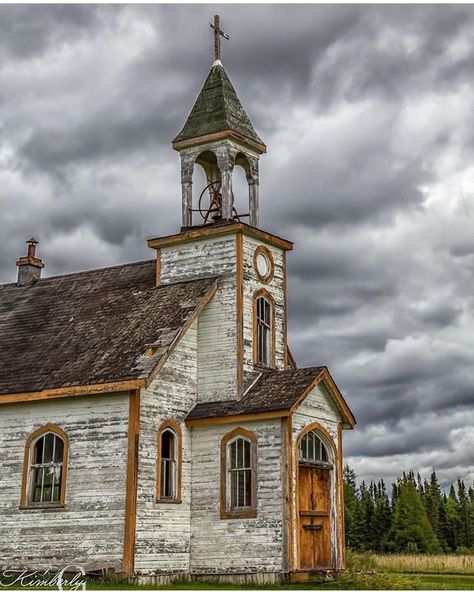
point(315, 476)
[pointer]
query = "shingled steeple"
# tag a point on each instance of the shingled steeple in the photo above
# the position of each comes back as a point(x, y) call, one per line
point(218, 135)
point(218, 109)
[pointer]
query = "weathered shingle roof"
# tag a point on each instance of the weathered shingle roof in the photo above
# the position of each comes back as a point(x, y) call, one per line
point(216, 109)
point(273, 391)
point(90, 327)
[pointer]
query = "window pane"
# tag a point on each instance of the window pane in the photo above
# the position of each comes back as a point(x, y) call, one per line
point(48, 447)
point(247, 454)
point(59, 450)
point(38, 453)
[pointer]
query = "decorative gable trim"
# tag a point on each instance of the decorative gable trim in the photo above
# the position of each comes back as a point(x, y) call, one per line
point(325, 376)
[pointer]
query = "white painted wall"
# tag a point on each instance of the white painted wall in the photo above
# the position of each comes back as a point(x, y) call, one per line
point(237, 545)
point(217, 330)
point(275, 288)
point(89, 531)
point(163, 530)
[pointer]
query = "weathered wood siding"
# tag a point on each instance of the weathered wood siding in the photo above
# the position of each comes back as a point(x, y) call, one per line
point(276, 288)
point(163, 529)
point(237, 545)
point(217, 330)
point(317, 407)
point(89, 531)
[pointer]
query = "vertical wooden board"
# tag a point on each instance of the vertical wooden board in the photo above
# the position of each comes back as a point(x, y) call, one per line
point(321, 489)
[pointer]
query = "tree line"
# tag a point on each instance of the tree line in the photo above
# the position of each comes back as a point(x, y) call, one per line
point(417, 517)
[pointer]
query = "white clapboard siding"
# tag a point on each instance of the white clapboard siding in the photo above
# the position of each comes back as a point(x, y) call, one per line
point(237, 545)
point(89, 531)
point(275, 288)
point(217, 332)
point(163, 530)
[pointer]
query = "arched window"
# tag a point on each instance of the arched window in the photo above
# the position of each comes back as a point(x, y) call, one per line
point(264, 333)
point(169, 463)
point(313, 450)
point(44, 476)
point(239, 474)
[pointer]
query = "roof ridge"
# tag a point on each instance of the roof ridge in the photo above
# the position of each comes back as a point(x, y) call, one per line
point(85, 271)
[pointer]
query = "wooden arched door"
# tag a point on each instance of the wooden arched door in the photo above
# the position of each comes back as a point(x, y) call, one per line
point(314, 503)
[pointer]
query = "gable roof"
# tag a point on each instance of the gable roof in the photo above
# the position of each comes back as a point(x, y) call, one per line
point(91, 327)
point(273, 392)
point(217, 109)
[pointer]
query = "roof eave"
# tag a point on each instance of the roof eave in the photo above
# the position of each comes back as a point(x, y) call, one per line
point(182, 143)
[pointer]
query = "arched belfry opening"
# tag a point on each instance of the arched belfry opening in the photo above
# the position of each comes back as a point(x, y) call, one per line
point(213, 196)
point(218, 136)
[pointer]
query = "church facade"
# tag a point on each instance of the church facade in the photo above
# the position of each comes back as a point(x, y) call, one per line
point(153, 421)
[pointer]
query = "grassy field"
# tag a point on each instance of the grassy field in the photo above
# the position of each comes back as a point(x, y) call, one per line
point(428, 564)
point(364, 572)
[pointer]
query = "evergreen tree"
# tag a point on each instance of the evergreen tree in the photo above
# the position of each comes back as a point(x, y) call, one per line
point(411, 528)
point(435, 509)
point(351, 507)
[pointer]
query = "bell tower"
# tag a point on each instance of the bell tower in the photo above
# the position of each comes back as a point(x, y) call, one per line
point(218, 136)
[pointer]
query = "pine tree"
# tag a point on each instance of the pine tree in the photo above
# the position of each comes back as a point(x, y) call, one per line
point(351, 507)
point(411, 528)
point(435, 509)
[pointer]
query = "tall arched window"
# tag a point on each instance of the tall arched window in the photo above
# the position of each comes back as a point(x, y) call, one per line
point(45, 467)
point(239, 474)
point(264, 330)
point(169, 463)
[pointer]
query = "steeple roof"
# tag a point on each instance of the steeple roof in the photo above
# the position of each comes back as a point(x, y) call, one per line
point(218, 109)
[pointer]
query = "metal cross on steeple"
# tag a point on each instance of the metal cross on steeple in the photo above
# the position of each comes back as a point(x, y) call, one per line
point(217, 38)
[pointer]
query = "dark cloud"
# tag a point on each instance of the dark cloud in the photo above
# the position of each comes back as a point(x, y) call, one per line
point(367, 114)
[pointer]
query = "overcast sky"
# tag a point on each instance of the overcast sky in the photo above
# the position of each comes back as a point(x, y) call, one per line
point(368, 116)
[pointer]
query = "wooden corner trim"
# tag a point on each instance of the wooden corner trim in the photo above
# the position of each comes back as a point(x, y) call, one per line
point(262, 249)
point(25, 504)
point(206, 421)
point(259, 293)
point(72, 391)
point(176, 428)
point(130, 522)
point(225, 511)
point(239, 247)
point(158, 267)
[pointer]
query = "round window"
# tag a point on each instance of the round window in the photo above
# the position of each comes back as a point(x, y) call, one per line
point(263, 264)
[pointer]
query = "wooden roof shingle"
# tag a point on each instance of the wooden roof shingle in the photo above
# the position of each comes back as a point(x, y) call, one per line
point(91, 327)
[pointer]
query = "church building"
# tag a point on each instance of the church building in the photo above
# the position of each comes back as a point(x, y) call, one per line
point(153, 421)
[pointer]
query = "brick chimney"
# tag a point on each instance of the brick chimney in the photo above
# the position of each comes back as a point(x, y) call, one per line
point(29, 267)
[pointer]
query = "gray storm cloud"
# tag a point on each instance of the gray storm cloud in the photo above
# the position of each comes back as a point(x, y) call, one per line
point(367, 114)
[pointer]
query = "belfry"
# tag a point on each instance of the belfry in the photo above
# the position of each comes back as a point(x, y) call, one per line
point(218, 135)
point(153, 421)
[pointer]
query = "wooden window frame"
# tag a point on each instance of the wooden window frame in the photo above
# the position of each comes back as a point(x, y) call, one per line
point(25, 499)
point(262, 293)
point(226, 511)
point(176, 428)
point(263, 250)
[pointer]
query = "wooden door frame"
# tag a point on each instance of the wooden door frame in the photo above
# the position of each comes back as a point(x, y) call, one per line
point(335, 490)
